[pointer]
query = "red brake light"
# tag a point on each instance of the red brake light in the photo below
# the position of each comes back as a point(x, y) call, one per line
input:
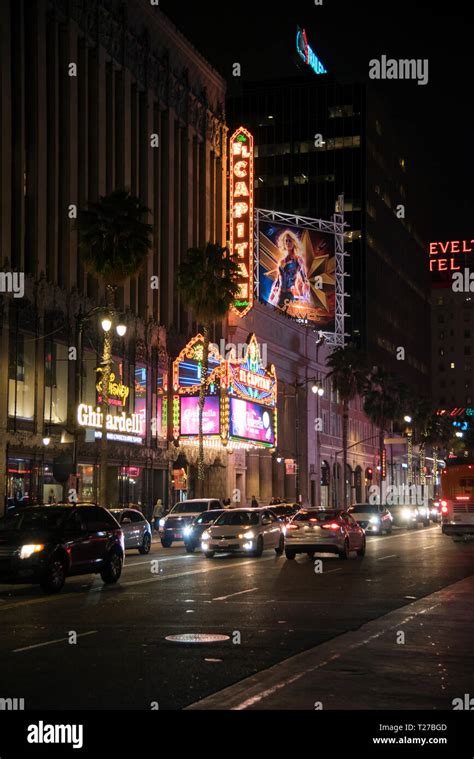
point(333, 526)
point(292, 526)
point(462, 498)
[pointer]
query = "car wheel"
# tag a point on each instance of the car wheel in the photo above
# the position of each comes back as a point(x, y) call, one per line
point(259, 549)
point(112, 568)
point(189, 548)
point(389, 530)
point(281, 546)
point(54, 577)
point(146, 545)
point(361, 551)
point(209, 554)
point(166, 543)
point(345, 553)
point(290, 555)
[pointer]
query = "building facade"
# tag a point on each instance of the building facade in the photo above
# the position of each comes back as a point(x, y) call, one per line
point(96, 96)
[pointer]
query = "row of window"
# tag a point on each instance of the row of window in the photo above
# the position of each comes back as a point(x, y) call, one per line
point(307, 146)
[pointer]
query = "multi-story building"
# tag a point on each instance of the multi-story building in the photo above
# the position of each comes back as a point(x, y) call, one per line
point(85, 90)
point(317, 139)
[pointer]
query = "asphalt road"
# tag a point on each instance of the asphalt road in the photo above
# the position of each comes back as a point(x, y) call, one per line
point(270, 608)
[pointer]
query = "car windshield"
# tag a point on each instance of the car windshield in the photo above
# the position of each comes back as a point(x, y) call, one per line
point(236, 518)
point(188, 507)
point(365, 508)
point(37, 519)
point(208, 517)
point(317, 516)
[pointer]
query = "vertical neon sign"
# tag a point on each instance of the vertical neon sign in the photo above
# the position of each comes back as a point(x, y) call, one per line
point(241, 223)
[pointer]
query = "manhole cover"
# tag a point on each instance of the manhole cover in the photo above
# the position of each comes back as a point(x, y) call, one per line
point(197, 638)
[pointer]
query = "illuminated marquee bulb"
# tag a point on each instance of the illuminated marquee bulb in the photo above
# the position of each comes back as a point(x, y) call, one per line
point(241, 190)
point(240, 209)
point(241, 169)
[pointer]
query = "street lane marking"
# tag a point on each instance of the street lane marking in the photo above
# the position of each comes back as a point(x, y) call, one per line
point(52, 642)
point(162, 578)
point(425, 548)
point(383, 558)
point(232, 595)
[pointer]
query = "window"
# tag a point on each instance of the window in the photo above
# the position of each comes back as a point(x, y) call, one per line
point(341, 111)
point(56, 383)
point(21, 376)
point(97, 519)
point(134, 516)
point(441, 351)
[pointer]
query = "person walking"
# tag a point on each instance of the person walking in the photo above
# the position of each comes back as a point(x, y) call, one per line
point(157, 514)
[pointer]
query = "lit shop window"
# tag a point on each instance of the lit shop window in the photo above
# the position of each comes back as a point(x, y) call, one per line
point(341, 111)
point(301, 179)
point(21, 377)
point(56, 383)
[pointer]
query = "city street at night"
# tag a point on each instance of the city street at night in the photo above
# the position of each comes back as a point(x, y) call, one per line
point(279, 608)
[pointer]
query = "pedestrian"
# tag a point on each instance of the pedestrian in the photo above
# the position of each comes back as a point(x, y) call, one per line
point(254, 503)
point(157, 514)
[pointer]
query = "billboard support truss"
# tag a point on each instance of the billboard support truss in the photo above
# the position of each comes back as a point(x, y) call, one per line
point(336, 227)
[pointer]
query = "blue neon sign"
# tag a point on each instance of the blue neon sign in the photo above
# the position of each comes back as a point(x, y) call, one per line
point(307, 54)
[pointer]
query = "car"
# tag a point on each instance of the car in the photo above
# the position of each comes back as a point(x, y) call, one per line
point(136, 530)
point(171, 527)
point(409, 515)
point(193, 533)
point(324, 531)
point(373, 518)
point(249, 531)
point(435, 510)
point(45, 544)
point(284, 512)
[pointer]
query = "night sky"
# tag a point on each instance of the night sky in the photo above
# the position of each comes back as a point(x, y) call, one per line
point(437, 119)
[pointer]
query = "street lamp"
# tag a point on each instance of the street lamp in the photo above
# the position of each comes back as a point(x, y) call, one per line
point(408, 419)
point(46, 441)
point(121, 330)
point(106, 324)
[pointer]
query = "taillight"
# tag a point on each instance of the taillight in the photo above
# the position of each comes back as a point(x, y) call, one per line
point(334, 527)
point(291, 527)
point(462, 498)
point(444, 507)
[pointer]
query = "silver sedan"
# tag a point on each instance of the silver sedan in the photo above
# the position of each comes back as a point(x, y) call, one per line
point(136, 530)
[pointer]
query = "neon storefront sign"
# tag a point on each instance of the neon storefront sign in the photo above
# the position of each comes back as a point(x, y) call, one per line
point(241, 223)
point(307, 54)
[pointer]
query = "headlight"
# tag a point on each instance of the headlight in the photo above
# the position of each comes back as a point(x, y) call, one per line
point(27, 551)
point(162, 522)
point(375, 520)
point(187, 531)
point(406, 514)
point(249, 535)
point(206, 535)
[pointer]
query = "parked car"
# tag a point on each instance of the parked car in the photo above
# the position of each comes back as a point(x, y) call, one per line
point(171, 527)
point(409, 515)
point(193, 533)
point(136, 530)
point(314, 531)
point(375, 519)
point(45, 544)
point(244, 531)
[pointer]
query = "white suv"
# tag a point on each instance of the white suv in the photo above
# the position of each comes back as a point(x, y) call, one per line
point(181, 516)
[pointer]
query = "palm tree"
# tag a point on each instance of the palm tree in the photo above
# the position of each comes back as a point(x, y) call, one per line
point(440, 436)
point(423, 411)
point(349, 375)
point(384, 399)
point(114, 241)
point(207, 280)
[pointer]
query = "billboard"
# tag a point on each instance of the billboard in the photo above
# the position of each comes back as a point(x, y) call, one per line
point(251, 421)
point(447, 259)
point(190, 416)
point(297, 271)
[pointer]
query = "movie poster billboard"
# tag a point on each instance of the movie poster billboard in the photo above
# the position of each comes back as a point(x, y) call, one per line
point(297, 272)
point(190, 416)
point(252, 422)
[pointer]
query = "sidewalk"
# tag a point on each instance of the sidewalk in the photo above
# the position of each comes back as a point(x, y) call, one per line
point(369, 669)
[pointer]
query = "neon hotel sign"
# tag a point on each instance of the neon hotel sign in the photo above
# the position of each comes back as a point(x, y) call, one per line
point(307, 54)
point(443, 254)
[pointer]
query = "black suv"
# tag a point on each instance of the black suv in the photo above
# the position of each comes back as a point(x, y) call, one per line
point(45, 544)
